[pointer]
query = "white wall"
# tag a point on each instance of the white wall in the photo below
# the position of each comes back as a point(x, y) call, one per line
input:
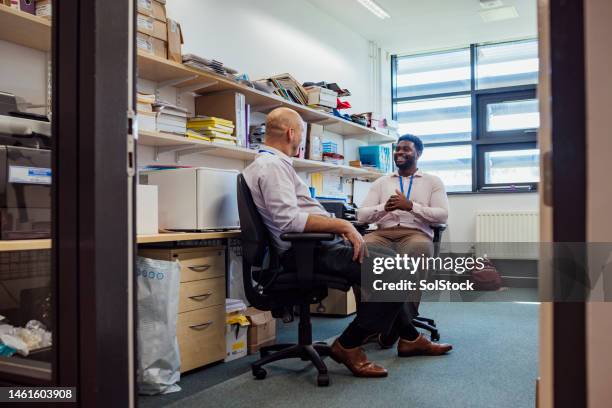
point(463, 210)
point(267, 37)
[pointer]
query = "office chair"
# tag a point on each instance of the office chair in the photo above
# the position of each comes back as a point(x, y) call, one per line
point(278, 288)
point(420, 321)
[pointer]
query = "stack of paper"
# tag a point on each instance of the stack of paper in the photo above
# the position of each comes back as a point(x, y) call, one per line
point(144, 108)
point(171, 118)
point(212, 128)
point(204, 64)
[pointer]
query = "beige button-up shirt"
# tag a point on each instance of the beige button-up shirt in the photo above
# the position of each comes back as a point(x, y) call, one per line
point(282, 198)
point(430, 203)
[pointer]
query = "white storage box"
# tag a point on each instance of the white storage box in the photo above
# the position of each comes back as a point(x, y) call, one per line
point(321, 96)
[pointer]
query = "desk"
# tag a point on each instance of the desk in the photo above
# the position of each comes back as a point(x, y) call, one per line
point(38, 244)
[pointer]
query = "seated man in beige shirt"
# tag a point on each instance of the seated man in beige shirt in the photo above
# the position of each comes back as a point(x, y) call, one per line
point(404, 205)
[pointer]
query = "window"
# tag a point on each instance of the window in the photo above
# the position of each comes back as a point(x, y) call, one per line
point(476, 111)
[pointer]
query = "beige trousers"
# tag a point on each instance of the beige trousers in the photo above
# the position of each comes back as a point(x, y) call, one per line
point(402, 240)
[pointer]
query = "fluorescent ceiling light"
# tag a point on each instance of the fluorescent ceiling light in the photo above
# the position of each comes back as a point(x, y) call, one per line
point(489, 4)
point(374, 9)
point(499, 14)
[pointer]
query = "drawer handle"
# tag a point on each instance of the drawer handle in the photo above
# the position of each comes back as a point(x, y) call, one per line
point(203, 296)
point(201, 326)
point(199, 268)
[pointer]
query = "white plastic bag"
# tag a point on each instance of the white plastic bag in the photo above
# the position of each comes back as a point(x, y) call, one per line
point(158, 352)
point(236, 283)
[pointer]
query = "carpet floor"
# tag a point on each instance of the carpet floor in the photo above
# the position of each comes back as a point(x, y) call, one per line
point(494, 363)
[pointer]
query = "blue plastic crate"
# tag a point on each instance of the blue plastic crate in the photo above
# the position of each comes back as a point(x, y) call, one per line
point(377, 156)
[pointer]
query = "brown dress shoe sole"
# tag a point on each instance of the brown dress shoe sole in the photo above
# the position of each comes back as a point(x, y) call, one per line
point(422, 353)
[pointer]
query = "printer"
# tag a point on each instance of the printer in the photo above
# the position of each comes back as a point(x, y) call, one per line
point(25, 172)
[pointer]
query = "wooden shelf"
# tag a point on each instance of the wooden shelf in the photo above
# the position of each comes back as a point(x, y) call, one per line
point(183, 77)
point(38, 244)
point(25, 245)
point(24, 29)
point(179, 143)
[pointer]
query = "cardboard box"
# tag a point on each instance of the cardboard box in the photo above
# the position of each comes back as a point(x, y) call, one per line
point(262, 331)
point(153, 9)
point(151, 45)
point(314, 143)
point(235, 341)
point(337, 302)
point(43, 9)
point(147, 216)
point(175, 41)
point(321, 96)
point(150, 26)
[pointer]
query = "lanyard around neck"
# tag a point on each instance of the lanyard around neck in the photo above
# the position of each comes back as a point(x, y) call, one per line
point(409, 186)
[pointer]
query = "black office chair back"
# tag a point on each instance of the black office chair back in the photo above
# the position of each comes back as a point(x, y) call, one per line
point(255, 245)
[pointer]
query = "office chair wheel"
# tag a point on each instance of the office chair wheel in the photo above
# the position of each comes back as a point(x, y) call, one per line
point(323, 380)
point(259, 373)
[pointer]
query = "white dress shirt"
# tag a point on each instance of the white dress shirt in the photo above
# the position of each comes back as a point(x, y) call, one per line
point(282, 198)
point(430, 203)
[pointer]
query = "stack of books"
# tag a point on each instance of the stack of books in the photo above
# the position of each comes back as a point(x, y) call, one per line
point(170, 118)
point(212, 129)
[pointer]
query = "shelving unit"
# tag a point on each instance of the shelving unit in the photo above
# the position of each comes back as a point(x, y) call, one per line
point(24, 29)
point(38, 244)
point(35, 32)
point(171, 73)
point(181, 145)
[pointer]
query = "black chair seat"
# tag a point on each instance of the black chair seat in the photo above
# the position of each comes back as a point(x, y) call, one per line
point(288, 281)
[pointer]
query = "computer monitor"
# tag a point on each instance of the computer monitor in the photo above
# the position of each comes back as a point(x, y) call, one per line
point(360, 191)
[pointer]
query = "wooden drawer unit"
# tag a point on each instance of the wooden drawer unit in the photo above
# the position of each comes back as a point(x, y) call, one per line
point(196, 263)
point(201, 336)
point(202, 293)
point(200, 326)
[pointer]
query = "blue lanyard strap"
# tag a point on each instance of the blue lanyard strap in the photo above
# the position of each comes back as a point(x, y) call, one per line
point(409, 186)
point(266, 151)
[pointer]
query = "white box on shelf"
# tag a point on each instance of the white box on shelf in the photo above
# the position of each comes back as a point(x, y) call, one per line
point(147, 218)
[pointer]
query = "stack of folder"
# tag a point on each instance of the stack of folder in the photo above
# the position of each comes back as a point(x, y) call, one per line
point(286, 86)
point(212, 129)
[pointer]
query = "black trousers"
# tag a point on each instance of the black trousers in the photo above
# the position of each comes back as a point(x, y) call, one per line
point(335, 258)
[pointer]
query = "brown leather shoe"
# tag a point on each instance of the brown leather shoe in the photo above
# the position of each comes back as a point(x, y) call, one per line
point(421, 346)
point(356, 360)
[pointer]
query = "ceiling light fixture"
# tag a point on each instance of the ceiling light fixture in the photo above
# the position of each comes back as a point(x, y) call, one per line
point(374, 9)
point(499, 14)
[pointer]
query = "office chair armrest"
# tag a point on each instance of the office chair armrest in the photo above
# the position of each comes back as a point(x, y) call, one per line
point(439, 227)
point(306, 236)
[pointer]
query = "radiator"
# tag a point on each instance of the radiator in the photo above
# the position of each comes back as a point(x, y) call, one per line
point(507, 234)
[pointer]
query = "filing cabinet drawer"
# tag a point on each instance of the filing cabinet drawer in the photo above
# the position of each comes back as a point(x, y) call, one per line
point(196, 263)
point(205, 266)
point(201, 336)
point(201, 293)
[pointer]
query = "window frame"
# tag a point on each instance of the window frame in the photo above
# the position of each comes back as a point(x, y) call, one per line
point(479, 139)
point(482, 149)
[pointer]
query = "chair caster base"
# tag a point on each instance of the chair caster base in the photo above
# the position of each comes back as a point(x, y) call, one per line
point(323, 380)
point(259, 373)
